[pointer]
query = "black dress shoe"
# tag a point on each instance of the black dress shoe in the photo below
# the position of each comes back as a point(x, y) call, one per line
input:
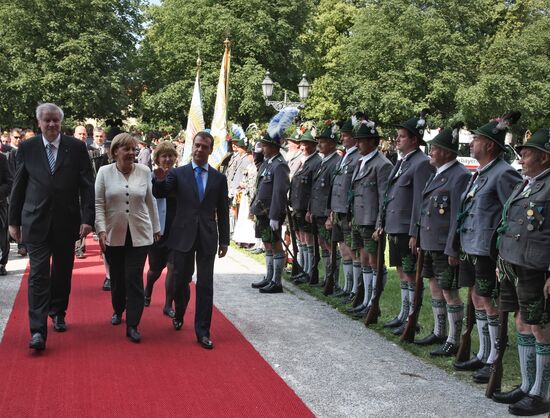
point(515, 395)
point(351, 296)
point(260, 284)
point(301, 279)
point(169, 312)
point(394, 323)
point(358, 308)
point(106, 285)
point(37, 342)
point(446, 350)
point(401, 329)
point(469, 365)
point(147, 301)
point(483, 374)
point(431, 339)
point(133, 334)
point(272, 288)
point(177, 324)
point(362, 313)
point(59, 324)
point(205, 342)
point(530, 405)
point(3, 271)
point(116, 319)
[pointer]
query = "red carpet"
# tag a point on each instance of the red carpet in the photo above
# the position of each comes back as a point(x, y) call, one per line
point(92, 370)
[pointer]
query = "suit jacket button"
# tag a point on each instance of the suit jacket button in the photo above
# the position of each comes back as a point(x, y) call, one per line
point(127, 203)
point(127, 211)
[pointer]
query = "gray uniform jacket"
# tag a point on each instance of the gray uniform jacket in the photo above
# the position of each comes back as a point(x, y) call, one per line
point(272, 189)
point(236, 176)
point(525, 233)
point(369, 186)
point(302, 182)
point(231, 166)
point(440, 208)
point(404, 195)
point(322, 182)
point(481, 207)
point(293, 160)
point(340, 196)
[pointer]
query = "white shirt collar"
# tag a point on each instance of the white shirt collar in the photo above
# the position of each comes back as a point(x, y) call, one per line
point(407, 156)
point(481, 170)
point(310, 155)
point(272, 158)
point(445, 167)
point(369, 156)
point(533, 179)
point(328, 157)
point(195, 165)
point(55, 142)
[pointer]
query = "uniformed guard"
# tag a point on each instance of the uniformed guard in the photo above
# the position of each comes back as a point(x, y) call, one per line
point(236, 175)
point(294, 154)
point(270, 201)
point(230, 170)
point(322, 182)
point(300, 194)
point(339, 203)
point(440, 206)
point(368, 188)
point(479, 216)
point(401, 210)
point(524, 267)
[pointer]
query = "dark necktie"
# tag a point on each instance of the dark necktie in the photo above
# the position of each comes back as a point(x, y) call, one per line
point(50, 148)
point(198, 179)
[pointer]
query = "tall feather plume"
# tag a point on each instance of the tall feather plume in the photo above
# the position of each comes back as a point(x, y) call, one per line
point(422, 118)
point(508, 120)
point(237, 131)
point(281, 121)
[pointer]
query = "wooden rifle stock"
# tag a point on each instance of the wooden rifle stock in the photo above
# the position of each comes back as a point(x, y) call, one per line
point(410, 329)
point(333, 274)
point(497, 369)
point(374, 311)
point(295, 264)
point(465, 347)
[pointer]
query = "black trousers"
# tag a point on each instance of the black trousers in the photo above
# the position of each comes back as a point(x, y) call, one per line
point(49, 284)
point(126, 265)
point(4, 237)
point(184, 267)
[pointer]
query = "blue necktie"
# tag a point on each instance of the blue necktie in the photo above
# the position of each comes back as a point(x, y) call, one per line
point(198, 179)
point(51, 156)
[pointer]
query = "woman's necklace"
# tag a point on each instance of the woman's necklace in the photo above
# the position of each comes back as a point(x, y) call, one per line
point(124, 172)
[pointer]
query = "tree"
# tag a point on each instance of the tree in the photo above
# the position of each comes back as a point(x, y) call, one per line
point(81, 60)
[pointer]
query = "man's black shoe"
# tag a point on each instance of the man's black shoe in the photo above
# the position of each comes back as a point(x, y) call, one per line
point(483, 374)
point(401, 329)
point(431, 339)
point(205, 342)
point(446, 350)
point(469, 365)
point(272, 288)
point(515, 395)
point(106, 285)
point(260, 284)
point(37, 342)
point(358, 308)
point(147, 301)
point(362, 313)
point(530, 405)
point(116, 319)
point(22, 252)
point(394, 323)
point(59, 324)
point(133, 334)
point(177, 324)
point(169, 312)
point(3, 270)
point(351, 296)
point(301, 279)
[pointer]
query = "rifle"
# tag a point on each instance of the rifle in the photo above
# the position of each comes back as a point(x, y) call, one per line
point(295, 264)
point(410, 329)
point(497, 369)
point(293, 255)
point(329, 283)
point(314, 279)
point(374, 311)
point(464, 348)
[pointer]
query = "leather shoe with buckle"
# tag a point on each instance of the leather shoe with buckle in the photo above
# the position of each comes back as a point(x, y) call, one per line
point(133, 334)
point(59, 324)
point(177, 324)
point(116, 319)
point(205, 342)
point(394, 323)
point(106, 285)
point(431, 339)
point(272, 288)
point(37, 342)
point(469, 365)
point(446, 350)
point(515, 395)
point(483, 374)
point(530, 405)
point(261, 283)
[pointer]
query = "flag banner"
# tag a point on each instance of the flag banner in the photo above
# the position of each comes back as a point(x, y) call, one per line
point(218, 128)
point(195, 120)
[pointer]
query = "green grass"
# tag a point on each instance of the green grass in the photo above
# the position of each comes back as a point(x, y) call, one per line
point(390, 303)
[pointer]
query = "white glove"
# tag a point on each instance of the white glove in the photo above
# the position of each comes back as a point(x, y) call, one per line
point(273, 224)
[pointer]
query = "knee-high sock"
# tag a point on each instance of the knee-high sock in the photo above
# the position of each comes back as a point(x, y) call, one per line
point(493, 322)
point(455, 313)
point(269, 265)
point(367, 283)
point(527, 360)
point(326, 262)
point(357, 275)
point(301, 253)
point(542, 378)
point(310, 259)
point(278, 266)
point(348, 272)
point(483, 332)
point(404, 312)
point(412, 289)
point(439, 311)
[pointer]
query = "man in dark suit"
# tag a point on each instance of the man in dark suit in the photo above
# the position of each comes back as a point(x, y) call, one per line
point(51, 206)
point(200, 228)
point(5, 188)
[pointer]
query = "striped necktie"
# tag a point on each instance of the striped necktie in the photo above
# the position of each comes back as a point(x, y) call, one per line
point(50, 148)
point(200, 184)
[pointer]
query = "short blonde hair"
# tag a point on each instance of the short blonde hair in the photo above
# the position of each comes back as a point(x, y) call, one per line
point(165, 147)
point(121, 140)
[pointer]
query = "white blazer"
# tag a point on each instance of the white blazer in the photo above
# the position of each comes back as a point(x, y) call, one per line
point(121, 204)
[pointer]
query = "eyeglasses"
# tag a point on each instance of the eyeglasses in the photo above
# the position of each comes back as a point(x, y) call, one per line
point(16, 137)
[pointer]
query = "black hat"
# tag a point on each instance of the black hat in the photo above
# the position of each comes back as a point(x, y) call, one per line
point(416, 126)
point(540, 140)
point(496, 129)
point(365, 129)
point(448, 138)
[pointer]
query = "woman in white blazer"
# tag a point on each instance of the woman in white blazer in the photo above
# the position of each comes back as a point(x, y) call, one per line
point(127, 223)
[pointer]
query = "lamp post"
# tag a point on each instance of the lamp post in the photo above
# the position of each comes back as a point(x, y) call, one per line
point(267, 89)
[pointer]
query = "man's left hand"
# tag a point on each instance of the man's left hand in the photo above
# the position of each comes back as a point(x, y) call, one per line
point(85, 229)
point(273, 224)
point(412, 245)
point(222, 251)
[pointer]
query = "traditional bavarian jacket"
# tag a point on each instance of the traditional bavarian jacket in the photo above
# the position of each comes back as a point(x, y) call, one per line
point(272, 186)
point(302, 182)
point(322, 183)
